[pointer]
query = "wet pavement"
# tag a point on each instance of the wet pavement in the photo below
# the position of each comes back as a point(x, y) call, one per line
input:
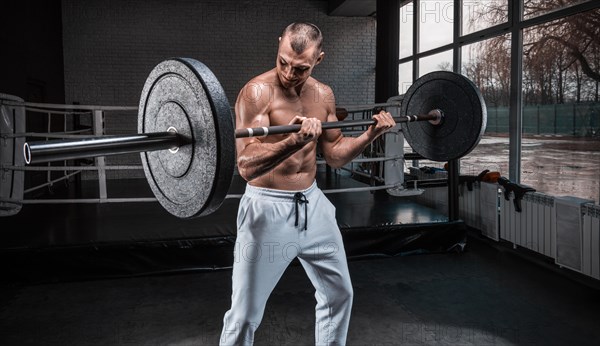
point(556, 165)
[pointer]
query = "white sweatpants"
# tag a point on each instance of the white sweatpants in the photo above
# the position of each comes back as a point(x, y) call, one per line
point(274, 228)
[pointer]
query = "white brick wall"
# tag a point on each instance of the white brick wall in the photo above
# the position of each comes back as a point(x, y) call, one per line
point(110, 46)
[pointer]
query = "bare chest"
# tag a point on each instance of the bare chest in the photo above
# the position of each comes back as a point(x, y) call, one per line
point(283, 109)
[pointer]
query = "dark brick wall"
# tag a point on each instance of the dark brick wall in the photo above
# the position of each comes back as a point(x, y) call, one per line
point(110, 46)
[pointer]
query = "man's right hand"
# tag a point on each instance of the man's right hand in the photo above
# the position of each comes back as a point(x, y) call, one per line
point(309, 132)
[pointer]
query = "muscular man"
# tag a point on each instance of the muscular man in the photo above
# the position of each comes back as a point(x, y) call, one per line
point(283, 214)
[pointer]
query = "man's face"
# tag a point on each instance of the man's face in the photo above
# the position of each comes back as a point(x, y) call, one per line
point(294, 69)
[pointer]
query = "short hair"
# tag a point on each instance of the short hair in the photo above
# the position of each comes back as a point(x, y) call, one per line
point(301, 34)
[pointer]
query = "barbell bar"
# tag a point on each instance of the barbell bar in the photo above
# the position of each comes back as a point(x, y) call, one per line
point(60, 150)
point(434, 116)
point(183, 108)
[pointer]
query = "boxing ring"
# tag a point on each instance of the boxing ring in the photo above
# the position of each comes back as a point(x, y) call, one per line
point(97, 218)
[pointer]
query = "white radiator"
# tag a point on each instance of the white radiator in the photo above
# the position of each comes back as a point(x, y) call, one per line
point(591, 241)
point(540, 226)
point(469, 207)
point(488, 210)
point(534, 227)
point(565, 229)
point(569, 232)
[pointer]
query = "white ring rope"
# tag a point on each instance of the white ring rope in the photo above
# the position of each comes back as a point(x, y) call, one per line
point(369, 107)
point(153, 199)
point(52, 106)
point(369, 159)
point(84, 110)
point(45, 107)
point(67, 134)
point(71, 168)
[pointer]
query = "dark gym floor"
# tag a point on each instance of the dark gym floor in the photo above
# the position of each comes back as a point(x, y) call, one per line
point(486, 295)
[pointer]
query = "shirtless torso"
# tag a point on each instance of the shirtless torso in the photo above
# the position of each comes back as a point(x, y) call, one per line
point(263, 102)
point(288, 94)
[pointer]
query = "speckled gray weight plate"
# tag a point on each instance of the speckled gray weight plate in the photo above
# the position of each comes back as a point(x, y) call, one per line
point(465, 116)
point(184, 94)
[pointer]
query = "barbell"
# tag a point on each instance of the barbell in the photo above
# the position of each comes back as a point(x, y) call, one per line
point(186, 132)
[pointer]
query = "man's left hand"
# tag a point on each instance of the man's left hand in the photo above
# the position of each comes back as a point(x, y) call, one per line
point(385, 122)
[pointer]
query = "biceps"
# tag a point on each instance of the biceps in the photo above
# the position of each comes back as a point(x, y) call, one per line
point(259, 120)
point(250, 118)
point(329, 141)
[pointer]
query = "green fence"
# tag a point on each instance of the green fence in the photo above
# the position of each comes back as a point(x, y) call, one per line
point(573, 119)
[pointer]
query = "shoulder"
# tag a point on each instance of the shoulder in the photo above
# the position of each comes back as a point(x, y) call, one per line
point(322, 92)
point(253, 103)
point(321, 89)
point(258, 89)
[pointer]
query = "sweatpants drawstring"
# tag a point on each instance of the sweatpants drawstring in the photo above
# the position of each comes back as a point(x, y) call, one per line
point(300, 198)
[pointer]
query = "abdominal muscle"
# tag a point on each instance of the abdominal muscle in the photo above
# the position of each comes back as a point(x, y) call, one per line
point(297, 172)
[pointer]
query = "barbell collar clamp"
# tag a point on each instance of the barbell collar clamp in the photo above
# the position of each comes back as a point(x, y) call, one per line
point(173, 149)
point(438, 115)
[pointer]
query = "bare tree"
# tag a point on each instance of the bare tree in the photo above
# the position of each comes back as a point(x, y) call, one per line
point(561, 58)
point(579, 35)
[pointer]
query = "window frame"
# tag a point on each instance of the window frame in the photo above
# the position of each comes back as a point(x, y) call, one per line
point(514, 25)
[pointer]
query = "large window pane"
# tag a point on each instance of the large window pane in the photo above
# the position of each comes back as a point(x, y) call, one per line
point(435, 21)
point(406, 30)
point(533, 8)
point(478, 15)
point(404, 77)
point(561, 109)
point(436, 62)
point(487, 64)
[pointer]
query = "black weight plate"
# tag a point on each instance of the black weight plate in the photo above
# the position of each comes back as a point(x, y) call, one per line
point(465, 116)
point(184, 94)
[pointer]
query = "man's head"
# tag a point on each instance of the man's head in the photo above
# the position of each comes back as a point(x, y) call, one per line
point(299, 52)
